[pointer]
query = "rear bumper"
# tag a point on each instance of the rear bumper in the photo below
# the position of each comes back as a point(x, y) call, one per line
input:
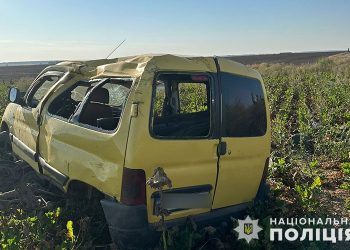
point(128, 225)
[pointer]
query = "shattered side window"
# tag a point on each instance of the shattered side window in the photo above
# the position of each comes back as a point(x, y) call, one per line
point(105, 104)
point(79, 92)
point(67, 102)
point(180, 106)
point(117, 93)
point(94, 103)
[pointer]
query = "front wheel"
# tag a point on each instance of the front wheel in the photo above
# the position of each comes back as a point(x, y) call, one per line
point(5, 144)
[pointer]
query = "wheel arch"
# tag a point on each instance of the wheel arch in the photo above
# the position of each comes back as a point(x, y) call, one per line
point(4, 126)
point(78, 187)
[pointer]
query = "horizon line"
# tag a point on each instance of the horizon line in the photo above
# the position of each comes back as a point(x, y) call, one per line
point(228, 55)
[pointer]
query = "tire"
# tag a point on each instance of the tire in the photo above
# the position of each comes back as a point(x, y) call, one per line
point(263, 192)
point(5, 144)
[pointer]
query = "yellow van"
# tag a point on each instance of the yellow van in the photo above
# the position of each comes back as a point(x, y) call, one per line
point(107, 125)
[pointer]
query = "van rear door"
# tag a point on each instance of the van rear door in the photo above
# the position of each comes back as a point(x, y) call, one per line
point(179, 139)
point(245, 135)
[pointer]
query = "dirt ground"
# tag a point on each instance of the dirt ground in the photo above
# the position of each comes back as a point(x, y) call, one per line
point(13, 73)
point(21, 187)
point(290, 58)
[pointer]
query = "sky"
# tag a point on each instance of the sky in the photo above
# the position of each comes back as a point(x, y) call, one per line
point(91, 29)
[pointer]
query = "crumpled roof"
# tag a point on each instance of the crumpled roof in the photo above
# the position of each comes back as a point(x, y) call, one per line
point(81, 67)
point(134, 66)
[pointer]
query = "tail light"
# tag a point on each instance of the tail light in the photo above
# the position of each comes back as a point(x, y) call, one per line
point(133, 187)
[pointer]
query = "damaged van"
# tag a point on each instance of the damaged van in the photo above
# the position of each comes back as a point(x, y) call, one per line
point(107, 125)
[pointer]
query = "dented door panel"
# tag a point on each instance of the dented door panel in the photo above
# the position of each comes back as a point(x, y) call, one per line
point(92, 157)
point(51, 147)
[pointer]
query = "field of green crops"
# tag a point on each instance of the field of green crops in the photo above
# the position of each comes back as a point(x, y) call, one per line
point(309, 173)
point(310, 112)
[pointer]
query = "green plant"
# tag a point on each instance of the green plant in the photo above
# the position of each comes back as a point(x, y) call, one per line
point(345, 186)
point(20, 230)
point(313, 164)
point(185, 238)
point(307, 193)
point(347, 204)
point(345, 166)
point(3, 98)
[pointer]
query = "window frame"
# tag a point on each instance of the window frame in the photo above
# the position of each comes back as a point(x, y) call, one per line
point(212, 107)
point(221, 106)
point(75, 117)
point(37, 84)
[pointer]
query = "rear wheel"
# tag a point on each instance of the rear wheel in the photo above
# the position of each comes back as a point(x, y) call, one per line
point(83, 204)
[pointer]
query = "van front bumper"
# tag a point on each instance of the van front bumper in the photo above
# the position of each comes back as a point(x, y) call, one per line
point(128, 225)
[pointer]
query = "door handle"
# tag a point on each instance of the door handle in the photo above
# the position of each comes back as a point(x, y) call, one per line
point(222, 148)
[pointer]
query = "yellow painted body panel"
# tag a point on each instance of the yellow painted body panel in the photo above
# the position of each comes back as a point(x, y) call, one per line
point(26, 131)
point(86, 155)
point(9, 119)
point(240, 172)
point(14, 118)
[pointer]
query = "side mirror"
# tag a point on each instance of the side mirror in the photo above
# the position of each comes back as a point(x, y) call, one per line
point(15, 96)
